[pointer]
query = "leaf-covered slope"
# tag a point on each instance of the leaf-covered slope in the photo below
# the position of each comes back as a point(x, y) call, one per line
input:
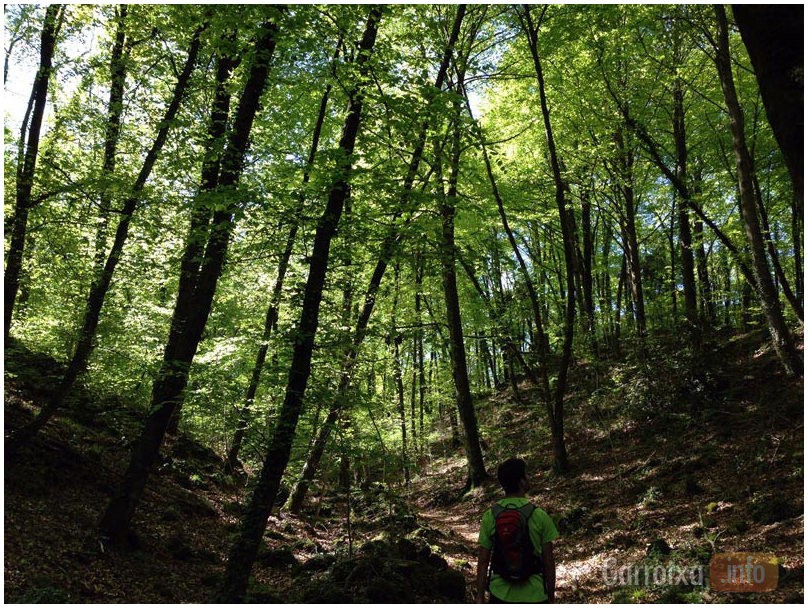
point(695, 462)
point(691, 463)
point(57, 486)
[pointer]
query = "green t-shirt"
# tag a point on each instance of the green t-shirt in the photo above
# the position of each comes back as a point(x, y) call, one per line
point(542, 530)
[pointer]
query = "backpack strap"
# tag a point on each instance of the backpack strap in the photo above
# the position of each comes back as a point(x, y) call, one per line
point(527, 513)
point(527, 510)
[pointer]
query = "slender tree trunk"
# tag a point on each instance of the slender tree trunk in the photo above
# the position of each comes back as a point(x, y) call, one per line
point(618, 300)
point(634, 276)
point(101, 284)
point(707, 303)
point(259, 505)
point(587, 255)
point(491, 370)
point(727, 288)
point(706, 289)
point(781, 336)
point(395, 340)
point(346, 374)
point(117, 68)
point(414, 402)
point(560, 459)
point(202, 216)
point(465, 404)
point(670, 233)
point(271, 320)
point(779, 273)
point(419, 349)
point(27, 161)
point(340, 406)
point(685, 235)
point(189, 320)
point(606, 282)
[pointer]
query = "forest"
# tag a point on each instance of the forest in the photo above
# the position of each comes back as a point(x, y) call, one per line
point(284, 284)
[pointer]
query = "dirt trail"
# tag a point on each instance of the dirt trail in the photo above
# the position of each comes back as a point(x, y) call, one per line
point(456, 524)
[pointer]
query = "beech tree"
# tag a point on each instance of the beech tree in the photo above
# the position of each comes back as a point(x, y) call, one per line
point(102, 282)
point(27, 160)
point(387, 251)
point(781, 335)
point(199, 278)
point(257, 510)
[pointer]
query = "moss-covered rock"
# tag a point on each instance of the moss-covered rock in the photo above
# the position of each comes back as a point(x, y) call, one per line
point(385, 571)
point(276, 558)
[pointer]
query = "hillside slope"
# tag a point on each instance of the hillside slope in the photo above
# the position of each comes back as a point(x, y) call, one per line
point(670, 467)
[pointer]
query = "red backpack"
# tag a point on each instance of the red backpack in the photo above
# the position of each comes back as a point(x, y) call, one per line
point(513, 556)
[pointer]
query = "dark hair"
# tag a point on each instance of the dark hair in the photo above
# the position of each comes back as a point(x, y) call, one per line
point(510, 473)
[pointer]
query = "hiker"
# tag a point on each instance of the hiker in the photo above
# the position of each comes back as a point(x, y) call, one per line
point(522, 566)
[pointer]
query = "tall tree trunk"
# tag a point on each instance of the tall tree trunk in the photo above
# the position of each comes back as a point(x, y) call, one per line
point(774, 256)
point(706, 289)
point(707, 303)
point(203, 220)
point(634, 272)
point(605, 298)
point(102, 282)
point(414, 401)
point(340, 406)
point(773, 35)
point(621, 283)
point(259, 505)
point(117, 69)
point(685, 235)
point(419, 349)
point(457, 352)
point(193, 302)
point(26, 162)
point(587, 255)
point(271, 319)
point(491, 362)
point(560, 460)
point(670, 233)
point(395, 340)
point(781, 336)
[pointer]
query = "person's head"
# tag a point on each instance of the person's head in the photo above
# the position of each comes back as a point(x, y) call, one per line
point(511, 474)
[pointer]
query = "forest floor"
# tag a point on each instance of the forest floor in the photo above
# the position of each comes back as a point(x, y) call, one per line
point(669, 467)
